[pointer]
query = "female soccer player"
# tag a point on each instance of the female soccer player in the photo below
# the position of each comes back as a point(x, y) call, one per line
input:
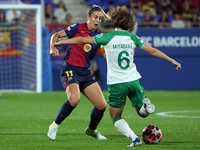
point(75, 74)
point(123, 79)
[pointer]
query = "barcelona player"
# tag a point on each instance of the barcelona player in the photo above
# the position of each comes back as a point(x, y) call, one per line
point(123, 79)
point(75, 73)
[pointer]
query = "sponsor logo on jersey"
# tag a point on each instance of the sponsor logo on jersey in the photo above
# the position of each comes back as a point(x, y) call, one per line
point(83, 32)
point(87, 47)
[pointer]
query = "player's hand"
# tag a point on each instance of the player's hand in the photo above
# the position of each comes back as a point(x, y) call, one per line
point(54, 51)
point(177, 65)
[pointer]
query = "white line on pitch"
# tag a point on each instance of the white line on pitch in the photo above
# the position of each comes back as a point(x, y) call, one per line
point(167, 114)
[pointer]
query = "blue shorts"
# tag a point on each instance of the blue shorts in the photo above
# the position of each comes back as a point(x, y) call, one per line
point(72, 74)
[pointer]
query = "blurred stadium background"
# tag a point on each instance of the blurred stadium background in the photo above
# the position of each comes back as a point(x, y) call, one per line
point(25, 117)
point(173, 26)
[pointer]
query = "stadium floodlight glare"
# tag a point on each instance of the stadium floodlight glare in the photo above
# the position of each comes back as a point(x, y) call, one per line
point(18, 70)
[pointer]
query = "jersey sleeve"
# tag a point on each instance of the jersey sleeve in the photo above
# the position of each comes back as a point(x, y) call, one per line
point(101, 39)
point(72, 30)
point(138, 41)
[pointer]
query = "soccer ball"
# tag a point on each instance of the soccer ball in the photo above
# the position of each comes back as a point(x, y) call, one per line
point(151, 134)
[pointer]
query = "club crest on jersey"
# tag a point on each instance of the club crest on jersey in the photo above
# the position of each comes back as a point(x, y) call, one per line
point(70, 78)
point(87, 47)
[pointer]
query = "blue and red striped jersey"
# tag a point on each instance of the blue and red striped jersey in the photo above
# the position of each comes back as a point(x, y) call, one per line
point(80, 55)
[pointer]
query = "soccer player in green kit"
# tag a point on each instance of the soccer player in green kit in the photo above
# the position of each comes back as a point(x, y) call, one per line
point(123, 79)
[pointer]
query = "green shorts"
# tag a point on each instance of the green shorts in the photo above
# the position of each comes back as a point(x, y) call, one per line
point(117, 93)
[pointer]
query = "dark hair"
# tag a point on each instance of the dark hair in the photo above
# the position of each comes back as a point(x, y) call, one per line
point(98, 8)
point(93, 8)
point(65, 9)
point(111, 3)
point(122, 18)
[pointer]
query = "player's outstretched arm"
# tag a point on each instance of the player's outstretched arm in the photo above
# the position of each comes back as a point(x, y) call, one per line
point(53, 50)
point(159, 54)
point(76, 40)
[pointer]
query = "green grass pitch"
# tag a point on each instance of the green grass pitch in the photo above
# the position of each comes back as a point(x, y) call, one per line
point(25, 119)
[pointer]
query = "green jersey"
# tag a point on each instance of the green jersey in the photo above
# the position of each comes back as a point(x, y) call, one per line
point(119, 47)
